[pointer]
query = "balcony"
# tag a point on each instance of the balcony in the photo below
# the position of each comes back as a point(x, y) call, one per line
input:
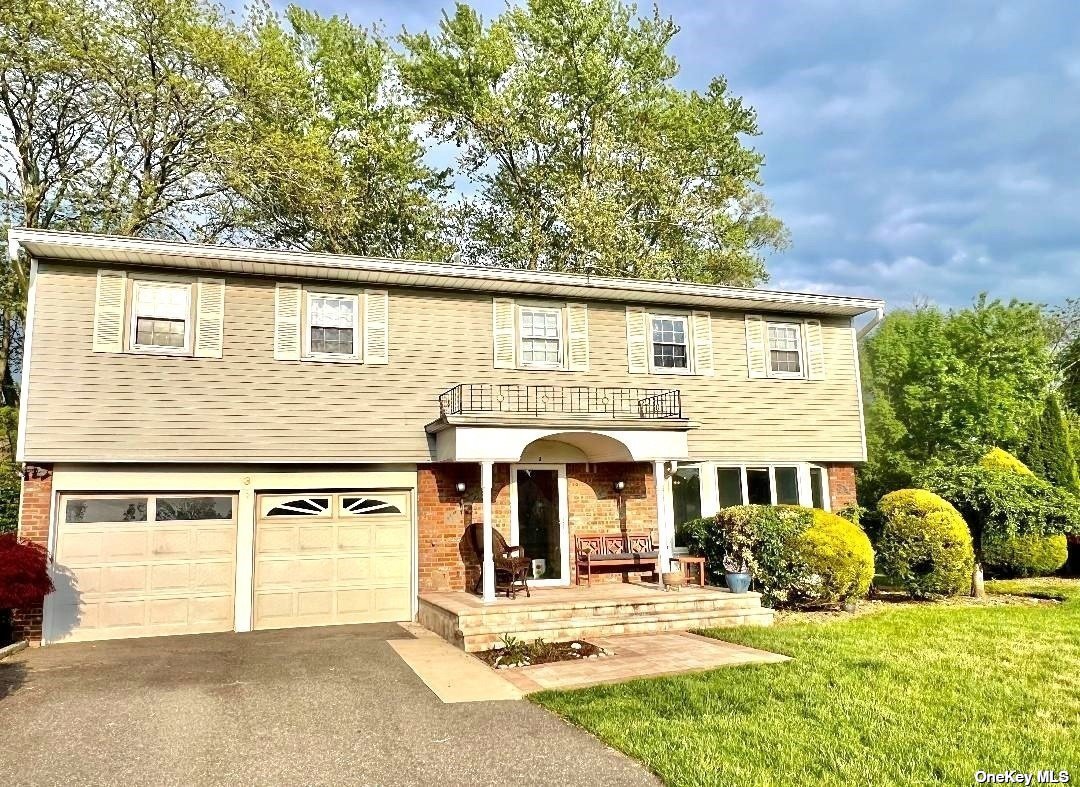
point(576, 401)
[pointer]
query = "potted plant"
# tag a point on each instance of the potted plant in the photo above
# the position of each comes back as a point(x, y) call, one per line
point(738, 557)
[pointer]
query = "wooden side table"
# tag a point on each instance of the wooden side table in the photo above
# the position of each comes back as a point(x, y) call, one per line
point(686, 562)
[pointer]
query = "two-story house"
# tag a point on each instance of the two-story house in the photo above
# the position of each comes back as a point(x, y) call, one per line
point(223, 439)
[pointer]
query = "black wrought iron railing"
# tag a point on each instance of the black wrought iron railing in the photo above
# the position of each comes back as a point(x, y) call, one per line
point(649, 403)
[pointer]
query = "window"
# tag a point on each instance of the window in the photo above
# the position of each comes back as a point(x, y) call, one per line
point(332, 326)
point(161, 316)
point(105, 509)
point(785, 349)
point(541, 336)
point(685, 500)
point(730, 486)
point(169, 509)
point(817, 487)
point(670, 345)
point(367, 505)
point(758, 486)
point(304, 506)
point(787, 485)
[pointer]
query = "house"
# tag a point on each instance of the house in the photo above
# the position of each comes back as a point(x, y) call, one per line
point(221, 439)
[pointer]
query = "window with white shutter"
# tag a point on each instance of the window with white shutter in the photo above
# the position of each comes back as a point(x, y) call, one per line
point(161, 316)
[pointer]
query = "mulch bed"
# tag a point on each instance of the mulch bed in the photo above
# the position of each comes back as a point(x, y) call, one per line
point(891, 600)
point(531, 653)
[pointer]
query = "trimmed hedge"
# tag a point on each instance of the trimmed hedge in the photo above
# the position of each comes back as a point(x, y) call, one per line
point(1000, 459)
point(924, 544)
point(799, 556)
point(1026, 556)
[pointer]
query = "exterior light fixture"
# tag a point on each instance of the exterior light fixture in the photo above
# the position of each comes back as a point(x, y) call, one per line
point(620, 486)
point(460, 487)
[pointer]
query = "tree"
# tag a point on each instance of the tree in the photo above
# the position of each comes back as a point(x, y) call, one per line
point(583, 155)
point(946, 385)
point(324, 154)
point(1048, 451)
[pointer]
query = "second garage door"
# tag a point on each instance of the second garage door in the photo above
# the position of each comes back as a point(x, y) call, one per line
point(329, 558)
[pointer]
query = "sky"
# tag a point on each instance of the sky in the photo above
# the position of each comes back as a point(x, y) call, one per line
point(916, 150)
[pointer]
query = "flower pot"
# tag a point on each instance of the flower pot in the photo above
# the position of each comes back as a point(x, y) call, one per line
point(673, 579)
point(737, 582)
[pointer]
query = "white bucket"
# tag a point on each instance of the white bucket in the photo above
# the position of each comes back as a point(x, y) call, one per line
point(539, 567)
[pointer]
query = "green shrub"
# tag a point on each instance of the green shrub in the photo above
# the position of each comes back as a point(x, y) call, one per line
point(1000, 459)
point(10, 487)
point(924, 544)
point(1026, 556)
point(797, 556)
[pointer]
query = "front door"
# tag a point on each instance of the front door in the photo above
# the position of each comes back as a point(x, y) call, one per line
point(538, 499)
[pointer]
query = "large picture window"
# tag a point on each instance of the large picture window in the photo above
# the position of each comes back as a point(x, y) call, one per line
point(779, 484)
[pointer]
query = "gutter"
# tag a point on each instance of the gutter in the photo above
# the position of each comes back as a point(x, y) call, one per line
point(879, 315)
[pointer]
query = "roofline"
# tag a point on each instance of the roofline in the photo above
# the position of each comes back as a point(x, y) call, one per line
point(91, 248)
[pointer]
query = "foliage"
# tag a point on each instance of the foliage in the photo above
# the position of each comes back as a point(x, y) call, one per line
point(879, 699)
point(1049, 451)
point(797, 556)
point(10, 490)
point(942, 385)
point(24, 576)
point(1000, 459)
point(924, 544)
point(584, 155)
point(853, 513)
point(1026, 556)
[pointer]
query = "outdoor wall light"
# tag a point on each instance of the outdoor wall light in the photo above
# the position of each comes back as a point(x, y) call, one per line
point(620, 486)
point(460, 487)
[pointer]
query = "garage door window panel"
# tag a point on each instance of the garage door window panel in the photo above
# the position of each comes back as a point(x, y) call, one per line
point(366, 506)
point(170, 509)
point(105, 509)
point(300, 506)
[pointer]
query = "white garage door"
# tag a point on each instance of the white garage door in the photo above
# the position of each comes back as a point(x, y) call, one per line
point(133, 565)
point(328, 558)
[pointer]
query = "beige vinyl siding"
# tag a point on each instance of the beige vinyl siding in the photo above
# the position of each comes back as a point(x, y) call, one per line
point(245, 406)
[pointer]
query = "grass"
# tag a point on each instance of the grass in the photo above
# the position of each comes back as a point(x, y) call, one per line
point(911, 695)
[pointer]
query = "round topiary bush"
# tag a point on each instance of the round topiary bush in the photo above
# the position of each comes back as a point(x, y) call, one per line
point(799, 556)
point(924, 544)
point(1026, 556)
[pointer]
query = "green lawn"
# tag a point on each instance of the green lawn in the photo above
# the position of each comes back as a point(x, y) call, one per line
point(915, 694)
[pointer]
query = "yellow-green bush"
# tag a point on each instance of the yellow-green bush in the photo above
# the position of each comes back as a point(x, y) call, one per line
point(924, 544)
point(1000, 459)
point(1026, 556)
point(838, 552)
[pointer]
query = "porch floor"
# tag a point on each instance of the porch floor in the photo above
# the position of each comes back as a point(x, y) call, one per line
point(605, 609)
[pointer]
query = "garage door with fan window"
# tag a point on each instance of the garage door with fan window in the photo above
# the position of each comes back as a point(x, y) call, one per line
point(138, 565)
point(328, 558)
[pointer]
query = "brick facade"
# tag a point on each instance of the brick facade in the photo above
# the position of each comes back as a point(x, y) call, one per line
point(446, 560)
point(841, 486)
point(34, 515)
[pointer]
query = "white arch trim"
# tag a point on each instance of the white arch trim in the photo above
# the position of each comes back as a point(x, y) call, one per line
point(509, 444)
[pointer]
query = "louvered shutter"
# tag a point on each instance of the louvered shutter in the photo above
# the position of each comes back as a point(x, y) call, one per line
point(757, 357)
point(376, 326)
point(637, 340)
point(503, 328)
point(109, 308)
point(209, 318)
point(703, 346)
point(287, 322)
point(577, 320)
point(815, 350)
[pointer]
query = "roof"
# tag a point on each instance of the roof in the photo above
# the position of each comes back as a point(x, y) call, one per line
point(141, 252)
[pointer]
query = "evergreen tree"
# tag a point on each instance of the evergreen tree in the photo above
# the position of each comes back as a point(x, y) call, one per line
point(1049, 452)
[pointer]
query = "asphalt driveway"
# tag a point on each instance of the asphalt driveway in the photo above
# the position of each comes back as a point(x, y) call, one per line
point(303, 706)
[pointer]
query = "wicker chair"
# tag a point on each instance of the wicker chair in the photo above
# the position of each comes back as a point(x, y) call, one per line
point(511, 565)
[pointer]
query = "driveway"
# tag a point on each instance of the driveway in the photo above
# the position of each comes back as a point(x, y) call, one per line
point(302, 706)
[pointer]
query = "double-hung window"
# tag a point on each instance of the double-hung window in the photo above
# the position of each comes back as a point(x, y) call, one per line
point(785, 349)
point(332, 329)
point(670, 343)
point(540, 330)
point(161, 316)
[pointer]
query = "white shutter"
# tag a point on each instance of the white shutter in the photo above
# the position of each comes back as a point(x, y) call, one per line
point(503, 327)
point(757, 356)
point(815, 350)
point(109, 311)
point(287, 322)
point(703, 347)
point(637, 340)
point(376, 326)
point(209, 318)
point(577, 321)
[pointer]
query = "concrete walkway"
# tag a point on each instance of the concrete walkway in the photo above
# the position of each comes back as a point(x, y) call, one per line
point(450, 672)
point(305, 706)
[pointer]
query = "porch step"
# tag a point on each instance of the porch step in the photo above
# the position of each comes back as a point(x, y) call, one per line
point(479, 628)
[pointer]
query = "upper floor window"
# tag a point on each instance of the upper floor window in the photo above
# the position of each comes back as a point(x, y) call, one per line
point(332, 329)
point(785, 349)
point(161, 316)
point(670, 342)
point(541, 336)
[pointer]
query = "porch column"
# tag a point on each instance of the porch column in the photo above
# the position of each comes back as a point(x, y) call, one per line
point(489, 553)
point(664, 518)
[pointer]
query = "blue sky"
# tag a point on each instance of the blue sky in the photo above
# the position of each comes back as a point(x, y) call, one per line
point(916, 150)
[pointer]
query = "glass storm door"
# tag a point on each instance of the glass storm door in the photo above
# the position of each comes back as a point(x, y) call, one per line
point(540, 529)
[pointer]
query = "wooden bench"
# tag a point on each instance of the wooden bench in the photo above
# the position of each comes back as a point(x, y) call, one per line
point(627, 551)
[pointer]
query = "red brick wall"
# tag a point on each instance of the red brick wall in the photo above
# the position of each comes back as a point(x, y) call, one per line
point(446, 561)
point(841, 486)
point(34, 515)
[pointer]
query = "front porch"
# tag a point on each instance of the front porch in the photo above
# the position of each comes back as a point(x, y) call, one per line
point(605, 609)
